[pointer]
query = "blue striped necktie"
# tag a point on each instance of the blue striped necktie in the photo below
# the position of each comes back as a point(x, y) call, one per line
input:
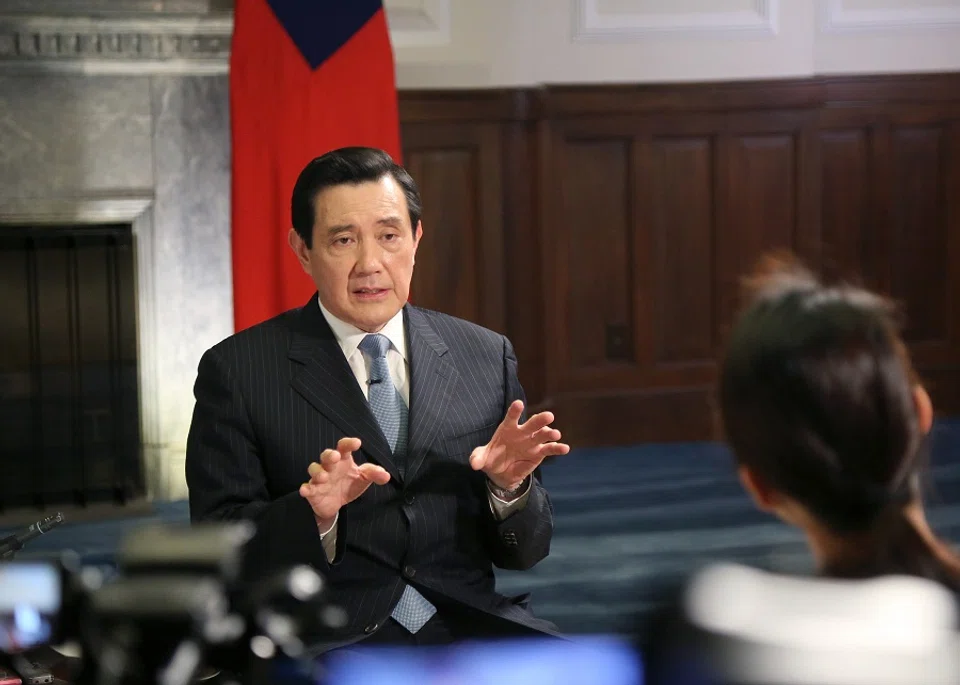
point(413, 610)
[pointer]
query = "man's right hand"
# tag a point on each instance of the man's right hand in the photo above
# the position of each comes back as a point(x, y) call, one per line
point(337, 481)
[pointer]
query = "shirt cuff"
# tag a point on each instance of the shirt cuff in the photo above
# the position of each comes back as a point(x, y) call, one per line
point(324, 533)
point(502, 509)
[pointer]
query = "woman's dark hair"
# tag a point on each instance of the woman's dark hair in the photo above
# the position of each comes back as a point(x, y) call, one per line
point(347, 166)
point(817, 400)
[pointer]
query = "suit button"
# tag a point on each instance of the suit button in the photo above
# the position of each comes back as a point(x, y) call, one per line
point(409, 571)
point(371, 628)
point(408, 498)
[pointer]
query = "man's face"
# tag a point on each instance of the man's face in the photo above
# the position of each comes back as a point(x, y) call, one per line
point(363, 251)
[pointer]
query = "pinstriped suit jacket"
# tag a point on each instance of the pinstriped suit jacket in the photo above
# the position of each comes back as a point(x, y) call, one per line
point(270, 398)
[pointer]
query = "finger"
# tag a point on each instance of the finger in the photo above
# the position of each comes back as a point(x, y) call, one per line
point(320, 478)
point(514, 412)
point(538, 421)
point(374, 474)
point(478, 459)
point(307, 490)
point(552, 449)
point(329, 459)
point(346, 446)
point(546, 434)
point(318, 475)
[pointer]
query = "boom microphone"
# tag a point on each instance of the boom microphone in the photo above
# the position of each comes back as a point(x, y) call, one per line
point(12, 544)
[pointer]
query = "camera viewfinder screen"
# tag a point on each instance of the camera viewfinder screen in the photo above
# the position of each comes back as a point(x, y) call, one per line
point(29, 603)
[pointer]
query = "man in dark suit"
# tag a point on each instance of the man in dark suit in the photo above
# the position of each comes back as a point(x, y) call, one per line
point(427, 474)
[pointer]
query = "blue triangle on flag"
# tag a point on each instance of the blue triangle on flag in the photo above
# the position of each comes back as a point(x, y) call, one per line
point(321, 27)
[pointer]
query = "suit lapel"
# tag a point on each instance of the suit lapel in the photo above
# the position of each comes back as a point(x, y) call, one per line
point(326, 381)
point(432, 380)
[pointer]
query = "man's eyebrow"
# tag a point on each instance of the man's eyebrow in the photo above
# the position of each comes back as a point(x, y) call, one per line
point(390, 221)
point(339, 228)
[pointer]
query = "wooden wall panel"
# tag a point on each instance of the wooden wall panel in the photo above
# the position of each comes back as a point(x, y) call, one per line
point(854, 184)
point(920, 255)
point(923, 261)
point(460, 259)
point(525, 297)
point(605, 229)
point(596, 261)
point(760, 210)
point(487, 141)
point(678, 189)
point(676, 230)
point(847, 225)
point(587, 221)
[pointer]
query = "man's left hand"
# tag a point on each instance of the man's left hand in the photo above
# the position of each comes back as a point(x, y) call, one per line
point(516, 450)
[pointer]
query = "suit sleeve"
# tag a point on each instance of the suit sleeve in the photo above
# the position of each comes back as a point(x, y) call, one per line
point(226, 481)
point(521, 540)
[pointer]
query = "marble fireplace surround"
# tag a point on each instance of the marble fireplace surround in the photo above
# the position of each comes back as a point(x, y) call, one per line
point(117, 111)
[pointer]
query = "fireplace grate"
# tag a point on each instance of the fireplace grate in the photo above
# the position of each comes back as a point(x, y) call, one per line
point(69, 397)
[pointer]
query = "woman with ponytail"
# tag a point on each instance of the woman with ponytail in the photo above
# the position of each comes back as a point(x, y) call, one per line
point(828, 423)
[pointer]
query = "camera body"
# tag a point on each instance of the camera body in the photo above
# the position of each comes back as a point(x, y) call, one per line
point(178, 605)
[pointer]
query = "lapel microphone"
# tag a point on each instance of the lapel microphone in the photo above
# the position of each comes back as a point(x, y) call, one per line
point(374, 381)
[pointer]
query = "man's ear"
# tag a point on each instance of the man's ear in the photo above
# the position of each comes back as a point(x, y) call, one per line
point(761, 494)
point(300, 249)
point(924, 408)
point(417, 234)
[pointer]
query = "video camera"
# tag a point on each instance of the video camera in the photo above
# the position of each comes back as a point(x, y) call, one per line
point(177, 608)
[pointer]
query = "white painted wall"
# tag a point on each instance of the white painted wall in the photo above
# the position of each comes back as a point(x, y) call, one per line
point(490, 43)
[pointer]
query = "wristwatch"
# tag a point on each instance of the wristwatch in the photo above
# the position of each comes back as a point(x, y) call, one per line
point(504, 494)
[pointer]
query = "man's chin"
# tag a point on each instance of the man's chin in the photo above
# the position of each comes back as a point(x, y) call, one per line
point(372, 316)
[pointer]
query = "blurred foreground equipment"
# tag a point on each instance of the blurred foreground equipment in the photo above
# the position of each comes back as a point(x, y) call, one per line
point(734, 625)
point(178, 607)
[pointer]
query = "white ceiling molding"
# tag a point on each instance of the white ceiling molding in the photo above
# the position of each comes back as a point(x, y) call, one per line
point(419, 23)
point(590, 24)
point(836, 17)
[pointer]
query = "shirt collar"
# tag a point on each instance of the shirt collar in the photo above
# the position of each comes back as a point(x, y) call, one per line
point(349, 336)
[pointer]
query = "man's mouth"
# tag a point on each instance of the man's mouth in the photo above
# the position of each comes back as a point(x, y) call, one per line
point(369, 293)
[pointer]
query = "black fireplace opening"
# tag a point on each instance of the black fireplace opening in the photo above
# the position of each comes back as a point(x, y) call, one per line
point(69, 395)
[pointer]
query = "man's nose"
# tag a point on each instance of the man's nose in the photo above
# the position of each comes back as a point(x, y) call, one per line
point(368, 257)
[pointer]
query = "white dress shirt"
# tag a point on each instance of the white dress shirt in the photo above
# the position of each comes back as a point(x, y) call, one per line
point(349, 338)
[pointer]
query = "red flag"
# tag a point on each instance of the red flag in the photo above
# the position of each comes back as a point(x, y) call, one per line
point(306, 77)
